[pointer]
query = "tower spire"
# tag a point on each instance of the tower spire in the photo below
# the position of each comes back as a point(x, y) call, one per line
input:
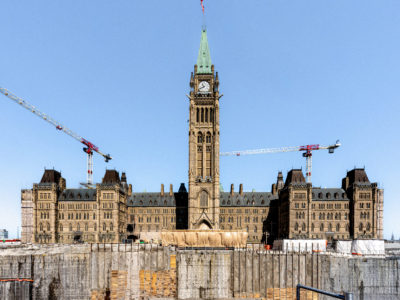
point(204, 58)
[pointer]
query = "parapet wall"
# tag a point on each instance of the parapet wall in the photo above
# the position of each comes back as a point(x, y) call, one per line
point(119, 271)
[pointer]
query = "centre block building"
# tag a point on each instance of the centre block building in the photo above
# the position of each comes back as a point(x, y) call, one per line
point(111, 212)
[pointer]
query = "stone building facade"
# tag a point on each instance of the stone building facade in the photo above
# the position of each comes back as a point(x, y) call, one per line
point(111, 212)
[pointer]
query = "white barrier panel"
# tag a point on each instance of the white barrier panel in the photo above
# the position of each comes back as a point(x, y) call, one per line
point(365, 247)
point(344, 247)
point(300, 245)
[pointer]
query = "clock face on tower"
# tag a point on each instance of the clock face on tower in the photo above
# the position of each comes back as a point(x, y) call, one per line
point(204, 86)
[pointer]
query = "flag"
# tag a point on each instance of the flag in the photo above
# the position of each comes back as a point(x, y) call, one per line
point(202, 6)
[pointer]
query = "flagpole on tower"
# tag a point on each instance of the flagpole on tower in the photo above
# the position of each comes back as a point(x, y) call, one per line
point(204, 18)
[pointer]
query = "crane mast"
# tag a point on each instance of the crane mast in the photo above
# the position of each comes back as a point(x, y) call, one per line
point(89, 146)
point(308, 153)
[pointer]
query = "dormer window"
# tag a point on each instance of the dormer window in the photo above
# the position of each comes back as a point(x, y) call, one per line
point(229, 202)
point(151, 202)
point(313, 195)
point(141, 202)
point(328, 195)
point(320, 195)
point(131, 202)
point(165, 202)
point(94, 196)
point(336, 195)
point(86, 196)
point(63, 196)
point(155, 202)
point(253, 202)
point(71, 196)
point(262, 202)
point(223, 202)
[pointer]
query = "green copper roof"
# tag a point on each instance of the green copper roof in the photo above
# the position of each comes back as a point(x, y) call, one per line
point(204, 59)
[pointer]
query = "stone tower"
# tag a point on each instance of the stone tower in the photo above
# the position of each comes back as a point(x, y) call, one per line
point(204, 142)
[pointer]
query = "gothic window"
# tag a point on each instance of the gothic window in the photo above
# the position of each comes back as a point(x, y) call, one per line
point(312, 227)
point(208, 138)
point(155, 202)
point(86, 196)
point(211, 115)
point(151, 202)
point(70, 227)
point(156, 228)
point(296, 227)
point(71, 196)
point(347, 227)
point(148, 228)
point(111, 227)
point(368, 215)
point(222, 227)
point(197, 116)
point(303, 227)
point(255, 229)
point(86, 227)
point(313, 216)
point(63, 196)
point(361, 215)
point(48, 216)
point(321, 228)
point(368, 227)
point(361, 226)
point(203, 199)
point(104, 227)
point(95, 227)
point(247, 228)
point(304, 216)
point(320, 195)
point(297, 215)
point(78, 227)
point(206, 115)
point(202, 115)
point(199, 138)
point(41, 227)
point(338, 227)
point(61, 227)
point(340, 216)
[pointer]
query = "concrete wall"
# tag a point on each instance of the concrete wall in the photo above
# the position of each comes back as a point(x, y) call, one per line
point(112, 271)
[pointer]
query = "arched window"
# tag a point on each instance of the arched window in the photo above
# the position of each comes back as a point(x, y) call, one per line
point(211, 115)
point(222, 227)
point(78, 227)
point(330, 227)
point(368, 215)
point(347, 227)
point(41, 227)
point(70, 227)
point(199, 138)
point(368, 227)
point(104, 227)
point(48, 227)
point(148, 228)
point(321, 228)
point(208, 138)
point(202, 115)
point(95, 227)
point(323, 216)
point(61, 227)
point(297, 215)
point(304, 215)
point(340, 216)
point(247, 228)
point(86, 227)
point(296, 227)
point(198, 116)
point(312, 227)
point(255, 229)
point(111, 227)
point(203, 199)
point(338, 227)
point(206, 116)
point(303, 227)
point(361, 226)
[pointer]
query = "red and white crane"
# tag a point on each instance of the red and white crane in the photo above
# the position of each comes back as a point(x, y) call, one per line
point(308, 153)
point(89, 146)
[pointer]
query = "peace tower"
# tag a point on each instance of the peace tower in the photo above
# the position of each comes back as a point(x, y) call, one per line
point(203, 204)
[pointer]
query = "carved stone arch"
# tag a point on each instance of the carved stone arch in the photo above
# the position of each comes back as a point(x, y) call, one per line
point(203, 224)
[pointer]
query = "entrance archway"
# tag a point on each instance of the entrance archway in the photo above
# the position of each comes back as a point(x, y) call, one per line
point(203, 224)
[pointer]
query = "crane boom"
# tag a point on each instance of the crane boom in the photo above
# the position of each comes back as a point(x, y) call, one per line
point(308, 153)
point(90, 147)
point(282, 149)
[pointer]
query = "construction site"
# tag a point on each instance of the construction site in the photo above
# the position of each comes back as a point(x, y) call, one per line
point(105, 241)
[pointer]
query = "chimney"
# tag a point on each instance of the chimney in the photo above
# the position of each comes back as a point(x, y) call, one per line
point(123, 177)
point(241, 189)
point(130, 190)
point(232, 192)
point(162, 190)
point(273, 189)
point(171, 192)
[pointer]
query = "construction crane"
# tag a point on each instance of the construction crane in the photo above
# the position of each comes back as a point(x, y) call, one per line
point(90, 147)
point(308, 153)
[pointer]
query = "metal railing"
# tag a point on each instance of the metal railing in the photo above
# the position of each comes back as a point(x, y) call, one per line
point(345, 296)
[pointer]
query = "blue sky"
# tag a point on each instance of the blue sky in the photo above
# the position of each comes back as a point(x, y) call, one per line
point(116, 72)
